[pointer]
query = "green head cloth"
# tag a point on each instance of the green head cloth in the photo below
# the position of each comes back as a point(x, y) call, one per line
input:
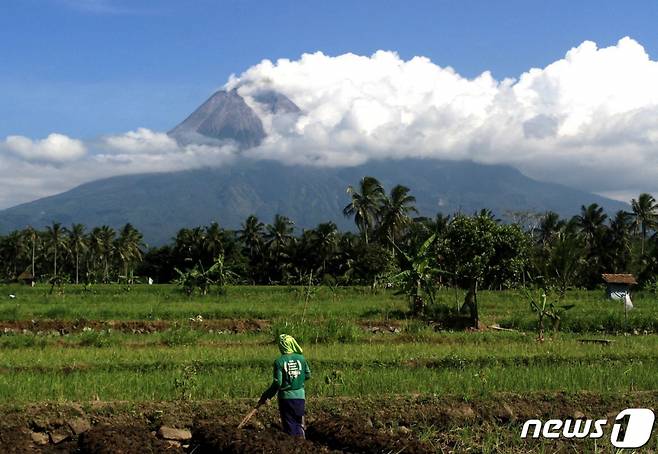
point(288, 345)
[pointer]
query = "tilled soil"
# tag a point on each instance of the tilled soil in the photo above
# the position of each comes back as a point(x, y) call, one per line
point(408, 424)
point(63, 327)
point(106, 439)
point(211, 438)
point(355, 436)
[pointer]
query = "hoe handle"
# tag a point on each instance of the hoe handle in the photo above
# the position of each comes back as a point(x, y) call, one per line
point(247, 418)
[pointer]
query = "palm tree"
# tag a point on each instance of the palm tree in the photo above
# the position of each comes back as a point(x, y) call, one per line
point(590, 221)
point(279, 234)
point(128, 248)
point(365, 205)
point(13, 251)
point(101, 245)
point(30, 234)
point(251, 236)
point(620, 246)
point(189, 245)
point(549, 226)
point(214, 241)
point(56, 242)
point(77, 244)
point(645, 211)
point(593, 230)
point(278, 237)
point(94, 251)
point(565, 261)
point(324, 242)
point(396, 210)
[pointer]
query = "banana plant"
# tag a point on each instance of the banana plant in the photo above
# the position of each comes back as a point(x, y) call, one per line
point(418, 278)
point(544, 309)
point(198, 279)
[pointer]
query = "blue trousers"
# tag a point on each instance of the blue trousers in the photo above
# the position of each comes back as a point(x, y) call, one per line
point(292, 416)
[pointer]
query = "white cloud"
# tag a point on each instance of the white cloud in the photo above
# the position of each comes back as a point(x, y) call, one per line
point(56, 148)
point(141, 140)
point(589, 120)
point(24, 178)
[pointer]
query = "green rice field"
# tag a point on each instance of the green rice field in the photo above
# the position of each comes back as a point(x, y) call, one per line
point(150, 344)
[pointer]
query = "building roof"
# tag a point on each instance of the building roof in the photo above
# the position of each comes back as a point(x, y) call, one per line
point(25, 276)
point(628, 279)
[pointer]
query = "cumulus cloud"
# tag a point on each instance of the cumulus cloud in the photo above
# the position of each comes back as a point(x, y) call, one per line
point(141, 140)
point(56, 148)
point(589, 120)
point(24, 177)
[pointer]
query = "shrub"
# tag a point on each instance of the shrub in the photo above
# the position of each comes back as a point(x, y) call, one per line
point(180, 336)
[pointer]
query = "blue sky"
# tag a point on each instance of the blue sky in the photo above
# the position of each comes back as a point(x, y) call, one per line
point(88, 88)
point(90, 67)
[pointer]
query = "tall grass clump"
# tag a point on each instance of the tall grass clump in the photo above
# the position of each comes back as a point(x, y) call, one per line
point(180, 336)
point(327, 331)
point(17, 341)
point(94, 338)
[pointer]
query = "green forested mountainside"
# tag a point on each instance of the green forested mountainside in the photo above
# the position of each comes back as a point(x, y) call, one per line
point(160, 204)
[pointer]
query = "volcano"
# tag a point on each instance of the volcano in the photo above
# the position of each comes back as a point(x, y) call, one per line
point(159, 204)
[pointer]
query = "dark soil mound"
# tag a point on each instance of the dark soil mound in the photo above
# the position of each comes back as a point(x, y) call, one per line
point(350, 436)
point(216, 438)
point(123, 440)
point(14, 439)
point(131, 326)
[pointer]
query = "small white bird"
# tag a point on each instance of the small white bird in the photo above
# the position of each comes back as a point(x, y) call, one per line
point(12, 296)
point(628, 304)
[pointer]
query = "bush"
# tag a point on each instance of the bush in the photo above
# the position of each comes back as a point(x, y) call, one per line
point(175, 337)
point(93, 338)
point(331, 330)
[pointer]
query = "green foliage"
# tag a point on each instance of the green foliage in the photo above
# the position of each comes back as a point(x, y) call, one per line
point(94, 338)
point(479, 249)
point(332, 330)
point(562, 265)
point(187, 382)
point(178, 336)
point(551, 310)
point(419, 276)
point(199, 280)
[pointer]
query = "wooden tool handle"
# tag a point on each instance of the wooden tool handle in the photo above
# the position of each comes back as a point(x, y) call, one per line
point(247, 418)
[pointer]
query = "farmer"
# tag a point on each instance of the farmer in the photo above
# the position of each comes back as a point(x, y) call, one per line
point(290, 372)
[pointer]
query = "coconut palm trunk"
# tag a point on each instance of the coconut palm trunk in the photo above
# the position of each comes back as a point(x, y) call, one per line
point(34, 246)
point(77, 266)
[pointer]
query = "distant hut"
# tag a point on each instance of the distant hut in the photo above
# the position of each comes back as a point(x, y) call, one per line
point(26, 278)
point(618, 286)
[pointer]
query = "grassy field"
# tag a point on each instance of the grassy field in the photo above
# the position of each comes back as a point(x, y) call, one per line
point(153, 344)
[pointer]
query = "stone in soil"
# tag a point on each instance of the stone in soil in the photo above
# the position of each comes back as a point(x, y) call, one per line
point(79, 425)
point(104, 439)
point(171, 433)
point(404, 430)
point(505, 413)
point(59, 435)
point(39, 438)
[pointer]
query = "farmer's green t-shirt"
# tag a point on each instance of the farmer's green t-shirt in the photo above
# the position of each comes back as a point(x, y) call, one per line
point(289, 374)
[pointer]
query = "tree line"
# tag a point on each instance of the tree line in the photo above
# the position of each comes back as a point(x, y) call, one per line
point(467, 250)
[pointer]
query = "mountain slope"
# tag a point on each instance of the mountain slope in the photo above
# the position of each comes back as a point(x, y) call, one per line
point(160, 204)
point(226, 116)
